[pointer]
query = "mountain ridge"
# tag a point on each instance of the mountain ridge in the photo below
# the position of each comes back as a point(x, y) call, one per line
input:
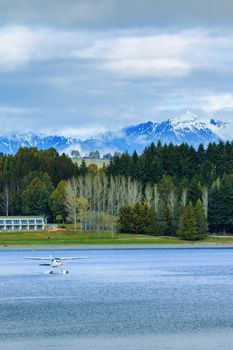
point(185, 128)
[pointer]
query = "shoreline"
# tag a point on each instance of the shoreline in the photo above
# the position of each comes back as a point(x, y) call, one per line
point(115, 246)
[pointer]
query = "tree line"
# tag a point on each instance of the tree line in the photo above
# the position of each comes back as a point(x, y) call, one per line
point(158, 192)
point(205, 174)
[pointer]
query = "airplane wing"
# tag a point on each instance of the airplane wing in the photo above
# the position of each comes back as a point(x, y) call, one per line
point(74, 257)
point(65, 259)
point(34, 258)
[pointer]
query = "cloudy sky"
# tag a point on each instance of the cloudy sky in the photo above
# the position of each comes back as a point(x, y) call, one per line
point(79, 67)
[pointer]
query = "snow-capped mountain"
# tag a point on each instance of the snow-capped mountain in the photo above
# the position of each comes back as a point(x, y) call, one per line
point(186, 128)
point(11, 144)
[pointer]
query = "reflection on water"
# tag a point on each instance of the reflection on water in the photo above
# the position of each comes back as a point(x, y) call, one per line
point(119, 299)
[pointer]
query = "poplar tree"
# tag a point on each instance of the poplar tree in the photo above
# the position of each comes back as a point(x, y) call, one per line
point(71, 200)
point(82, 207)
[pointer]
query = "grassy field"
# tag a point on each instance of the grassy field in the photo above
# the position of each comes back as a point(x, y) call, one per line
point(77, 237)
point(98, 162)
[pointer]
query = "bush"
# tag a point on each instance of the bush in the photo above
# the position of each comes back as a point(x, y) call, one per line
point(137, 219)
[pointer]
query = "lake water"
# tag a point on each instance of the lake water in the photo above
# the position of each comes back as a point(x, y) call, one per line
point(118, 299)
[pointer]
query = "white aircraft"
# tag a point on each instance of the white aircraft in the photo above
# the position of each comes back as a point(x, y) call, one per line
point(56, 263)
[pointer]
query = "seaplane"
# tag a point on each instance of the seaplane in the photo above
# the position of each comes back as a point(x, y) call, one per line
point(56, 264)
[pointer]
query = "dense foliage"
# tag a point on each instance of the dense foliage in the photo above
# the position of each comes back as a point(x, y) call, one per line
point(193, 222)
point(138, 218)
point(28, 179)
point(188, 175)
point(161, 191)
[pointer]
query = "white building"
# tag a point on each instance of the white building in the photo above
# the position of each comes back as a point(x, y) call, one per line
point(22, 223)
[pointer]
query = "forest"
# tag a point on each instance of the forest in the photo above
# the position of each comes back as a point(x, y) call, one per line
point(167, 190)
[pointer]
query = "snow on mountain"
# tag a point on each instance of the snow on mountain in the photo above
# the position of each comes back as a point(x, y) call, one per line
point(186, 128)
point(11, 144)
point(187, 121)
point(189, 128)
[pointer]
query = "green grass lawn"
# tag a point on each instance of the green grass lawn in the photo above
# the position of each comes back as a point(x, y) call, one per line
point(78, 237)
point(99, 162)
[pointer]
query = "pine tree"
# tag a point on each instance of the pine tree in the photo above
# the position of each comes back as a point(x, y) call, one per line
point(201, 220)
point(137, 219)
point(188, 226)
point(226, 203)
point(83, 170)
point(163, 217)
point(215, 212)
point(141, 217)
point(125, 219)
point(152, 228)
point(57, 200)
point(36, 196)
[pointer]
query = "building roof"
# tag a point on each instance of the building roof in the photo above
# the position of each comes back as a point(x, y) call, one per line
point(21, 217)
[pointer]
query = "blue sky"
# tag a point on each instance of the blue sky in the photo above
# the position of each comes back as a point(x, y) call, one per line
point(80, 67)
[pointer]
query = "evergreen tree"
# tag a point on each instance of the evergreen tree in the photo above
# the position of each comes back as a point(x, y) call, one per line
point(57, 200)
point(141, 217)
point(215, 211)
point(188, 226)
point(136, 219)
point(168, 207)
point(125, 218)
point(36, 196)
point(201, 220)
point(83, 170)
point(164, 219)
point(152, 228)
point(226, 203)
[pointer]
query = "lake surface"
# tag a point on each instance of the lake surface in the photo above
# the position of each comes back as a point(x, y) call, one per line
point(118, 299)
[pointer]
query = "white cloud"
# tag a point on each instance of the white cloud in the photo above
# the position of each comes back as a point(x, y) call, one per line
point(175, 54)
point(89, 78)
point(124, 45)
point(141, 68)
point(21, 45)
point(217, 102)
point(123, 53)
point(8, 110)
point(133, 55)
point(82, 132)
